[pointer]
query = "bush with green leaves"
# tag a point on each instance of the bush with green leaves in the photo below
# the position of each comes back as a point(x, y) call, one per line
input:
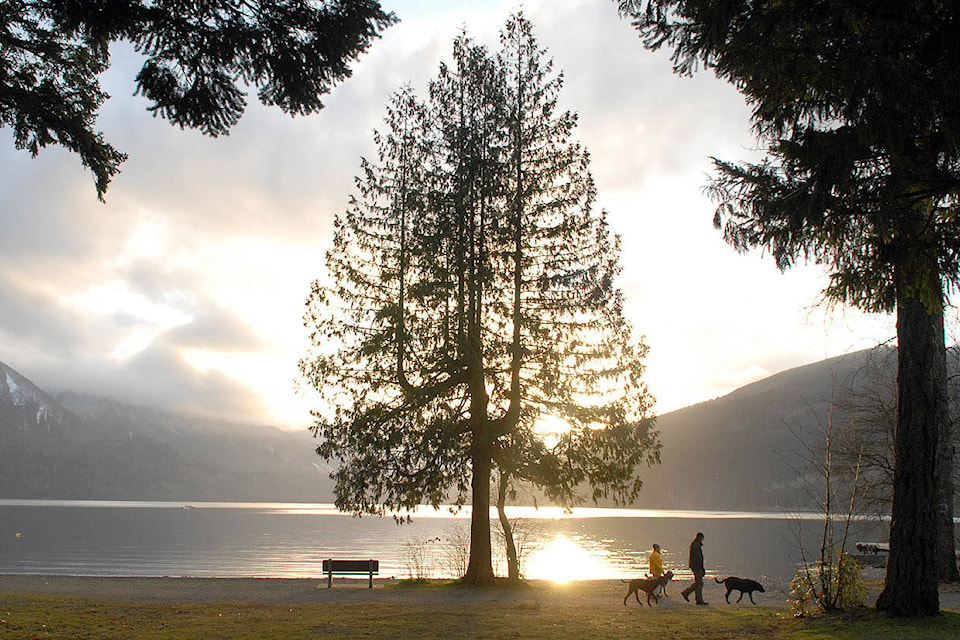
point(827, 587)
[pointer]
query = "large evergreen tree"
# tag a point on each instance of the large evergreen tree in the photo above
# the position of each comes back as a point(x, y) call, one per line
point(858, 105)
point(471, 296)
point(199, 57)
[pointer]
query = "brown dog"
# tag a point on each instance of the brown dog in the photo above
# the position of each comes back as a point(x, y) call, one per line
point(648, 586)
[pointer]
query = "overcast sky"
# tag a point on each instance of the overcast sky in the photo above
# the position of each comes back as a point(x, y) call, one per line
point(186, 289)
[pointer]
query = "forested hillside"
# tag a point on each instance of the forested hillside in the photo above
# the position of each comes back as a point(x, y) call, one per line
point(83, 447)
point(745, 450)
point(751, 448)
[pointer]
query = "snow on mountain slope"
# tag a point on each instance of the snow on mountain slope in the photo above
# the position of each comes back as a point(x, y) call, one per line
point(23, 403)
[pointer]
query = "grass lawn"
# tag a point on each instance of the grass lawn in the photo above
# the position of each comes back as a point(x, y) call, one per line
point(437, 611)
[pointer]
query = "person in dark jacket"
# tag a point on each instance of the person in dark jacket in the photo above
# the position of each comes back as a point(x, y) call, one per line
point(696, 566)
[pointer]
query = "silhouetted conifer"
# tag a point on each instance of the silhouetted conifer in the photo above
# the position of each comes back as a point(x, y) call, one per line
point(471, 297)
point(857, 103)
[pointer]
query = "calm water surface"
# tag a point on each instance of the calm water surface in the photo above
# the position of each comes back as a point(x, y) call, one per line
point(91, 538)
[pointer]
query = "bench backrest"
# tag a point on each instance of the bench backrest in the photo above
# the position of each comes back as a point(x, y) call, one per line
point(351, 566)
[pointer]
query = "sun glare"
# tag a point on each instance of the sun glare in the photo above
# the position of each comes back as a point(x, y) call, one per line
point(550, 429)
point(563, 559)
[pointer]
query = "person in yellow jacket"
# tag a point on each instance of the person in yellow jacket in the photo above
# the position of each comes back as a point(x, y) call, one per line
point(656, 561)
point(656, 566)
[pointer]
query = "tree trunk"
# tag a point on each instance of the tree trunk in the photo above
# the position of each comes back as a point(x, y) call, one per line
point(480, 565)
point(911, 585)
point(513, 559)
point(947, 547)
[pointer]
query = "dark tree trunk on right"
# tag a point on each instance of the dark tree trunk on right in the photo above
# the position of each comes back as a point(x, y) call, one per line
point(911, 587)
point(947, 547)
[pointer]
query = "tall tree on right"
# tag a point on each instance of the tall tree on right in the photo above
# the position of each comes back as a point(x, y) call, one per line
point(858, 104)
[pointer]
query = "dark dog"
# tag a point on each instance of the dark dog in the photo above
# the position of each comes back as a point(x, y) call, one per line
point(648, 586)
point(743, 585)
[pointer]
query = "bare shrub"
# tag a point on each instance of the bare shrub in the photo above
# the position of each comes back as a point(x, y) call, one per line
point(418, 557)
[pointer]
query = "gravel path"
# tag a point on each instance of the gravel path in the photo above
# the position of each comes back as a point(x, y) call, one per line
point(297, 591)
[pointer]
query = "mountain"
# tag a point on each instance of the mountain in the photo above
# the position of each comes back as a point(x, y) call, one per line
point(745, 450)
point(25, 408)
point(77, 446)
point(750, 449)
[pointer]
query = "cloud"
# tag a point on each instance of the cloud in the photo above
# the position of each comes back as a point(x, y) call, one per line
point(186, 289)
point(217, 330)
point(161, 376)
point(638, 118)
point(33, 321)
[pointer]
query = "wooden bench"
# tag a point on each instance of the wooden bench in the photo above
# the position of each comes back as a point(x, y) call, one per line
point(369, 567)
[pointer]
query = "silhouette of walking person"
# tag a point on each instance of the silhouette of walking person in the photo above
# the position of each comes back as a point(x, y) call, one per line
point(696, 566)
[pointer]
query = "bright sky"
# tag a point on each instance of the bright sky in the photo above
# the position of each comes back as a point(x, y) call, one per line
point(186, 290)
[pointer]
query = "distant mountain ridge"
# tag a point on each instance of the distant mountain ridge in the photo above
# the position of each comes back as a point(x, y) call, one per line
point(749, 448)
point(78, 446)
point(739, 451)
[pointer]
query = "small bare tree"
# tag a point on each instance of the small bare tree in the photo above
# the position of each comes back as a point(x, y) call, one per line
point(418, 556)
point(869, 406)
point(830, 582)
point(455, 551)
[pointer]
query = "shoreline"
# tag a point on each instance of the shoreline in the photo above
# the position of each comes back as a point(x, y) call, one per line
point(188, 590)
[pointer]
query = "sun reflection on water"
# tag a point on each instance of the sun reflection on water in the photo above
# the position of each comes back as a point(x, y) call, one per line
point(563, 559)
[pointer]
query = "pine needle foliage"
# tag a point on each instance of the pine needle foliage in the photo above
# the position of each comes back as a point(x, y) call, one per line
point(470, 297)
point(199, 60)
point(858, 106)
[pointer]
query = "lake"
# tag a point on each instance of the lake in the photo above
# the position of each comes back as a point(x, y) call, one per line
point(105, 538)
